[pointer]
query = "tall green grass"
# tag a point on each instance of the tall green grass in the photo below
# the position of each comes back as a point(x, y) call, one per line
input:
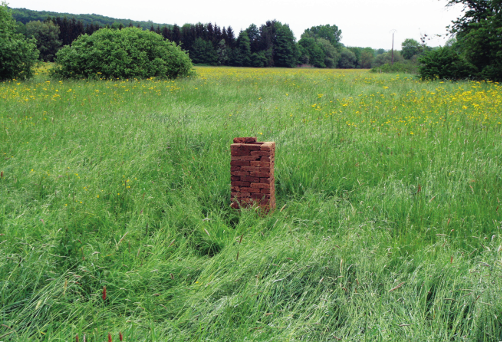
point(387, 226)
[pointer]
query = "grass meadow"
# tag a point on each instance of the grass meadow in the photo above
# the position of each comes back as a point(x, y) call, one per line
point(115, 220)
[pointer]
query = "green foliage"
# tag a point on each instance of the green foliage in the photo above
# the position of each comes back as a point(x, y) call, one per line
point(126, 53)
point(47, 37)
point(367, 56)
point(386, 58)
point(25, 15)
point(479, 36)
point(410, 47)
point(444, 63)
point(17, 54)
point(329, 32)
point(311, 52)
point(331, 54)
point(242, 52)
point(285, 49)
point(347, 59)
point(407, 67)
point(203, 52)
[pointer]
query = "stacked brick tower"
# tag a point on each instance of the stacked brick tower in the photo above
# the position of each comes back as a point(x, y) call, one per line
point(252, 173)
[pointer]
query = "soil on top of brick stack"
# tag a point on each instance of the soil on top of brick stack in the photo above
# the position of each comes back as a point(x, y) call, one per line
point(252, 173)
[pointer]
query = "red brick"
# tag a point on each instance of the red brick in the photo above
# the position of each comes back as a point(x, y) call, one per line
point(250, 179)
point(238, 183)
point(251, 190)
point(240, 163)
point(251, 169)
point(269, 180)
point(246, 157)
point(260, 153)
point(259, 174)
point(260, 186)
point(235, 188)
point(245, 140)
point(260, 164)
point(250, 147)
point(240, 152)
point(268, 146)
point(235, 168)
point(239, 173)
point(265, 191)
point(235, 178)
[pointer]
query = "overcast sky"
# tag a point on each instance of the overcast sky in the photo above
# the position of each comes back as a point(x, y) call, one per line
point(363, 22)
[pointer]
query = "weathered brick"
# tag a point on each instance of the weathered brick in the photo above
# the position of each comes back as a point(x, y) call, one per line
point(259, 174)
point(252, 173)
point(245, 140)
point(251, 169)
point(240, 152)
point(246, 158)
point(268, 146)
point(239, 183)
point(240, 162)
point(259, 164)
point(260, 153)
point(239, 173)
point(250, 190)
point(250, 179)
point(260, 185)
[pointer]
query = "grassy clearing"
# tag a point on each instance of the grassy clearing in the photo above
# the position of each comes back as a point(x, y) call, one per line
point(387, 228)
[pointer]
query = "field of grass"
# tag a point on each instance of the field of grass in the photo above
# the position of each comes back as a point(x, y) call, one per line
point(388, 225)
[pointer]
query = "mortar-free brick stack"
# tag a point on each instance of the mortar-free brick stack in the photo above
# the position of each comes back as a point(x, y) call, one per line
point(252, 173)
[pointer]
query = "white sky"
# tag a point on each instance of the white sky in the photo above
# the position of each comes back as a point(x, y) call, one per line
point(363, 22)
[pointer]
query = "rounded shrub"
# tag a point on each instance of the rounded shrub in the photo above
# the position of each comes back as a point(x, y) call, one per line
point(444, 63)
point(127, 53)
point(18, 55)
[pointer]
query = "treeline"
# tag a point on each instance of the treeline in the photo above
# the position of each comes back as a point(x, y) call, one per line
point(24, 16)
point(272, 44)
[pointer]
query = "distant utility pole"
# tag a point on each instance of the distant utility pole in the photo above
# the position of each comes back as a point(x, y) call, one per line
point(392, 60)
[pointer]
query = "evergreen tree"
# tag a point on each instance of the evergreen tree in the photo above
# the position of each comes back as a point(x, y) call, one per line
point(285, 49)
point(222, 53)
point(243, 51)
point(230, 37)
point(254, 37)
point(176, 34)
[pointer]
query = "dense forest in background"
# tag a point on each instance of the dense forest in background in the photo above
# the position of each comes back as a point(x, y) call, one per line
point(271, 44)
point(24, 16)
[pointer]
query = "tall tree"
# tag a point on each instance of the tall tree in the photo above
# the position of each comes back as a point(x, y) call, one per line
point(479, 35)
point(329, 32)
point(47, 37)
point(410, 47)
point(17, 54)
point(242, 55)
point(285, 49)
point(311, 52)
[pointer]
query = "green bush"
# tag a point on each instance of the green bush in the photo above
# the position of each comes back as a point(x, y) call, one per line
point(444, 63)
point(126, 53)
point(17, 54)
point(401, 67)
